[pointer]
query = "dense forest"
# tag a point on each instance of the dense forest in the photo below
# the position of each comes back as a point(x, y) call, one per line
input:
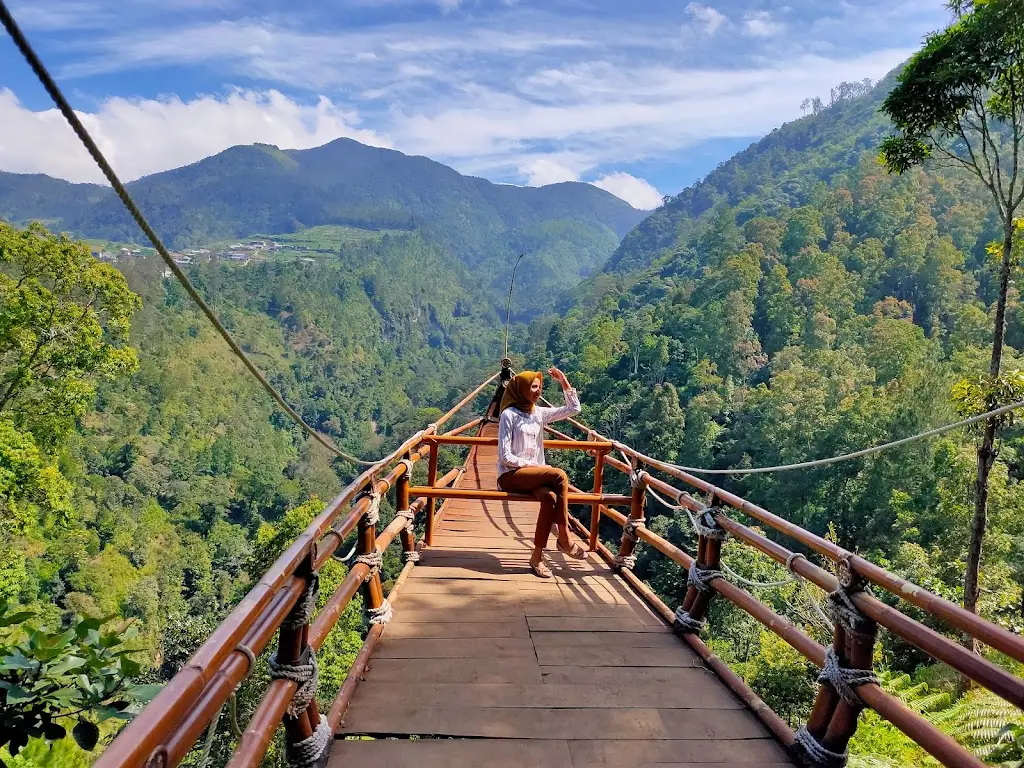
point(801, 303)
point(798, 303)
point(162, 479)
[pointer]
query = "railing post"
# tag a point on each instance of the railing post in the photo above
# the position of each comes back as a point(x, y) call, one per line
point(595, 509)
point(630, 537)
point(428, 531)
point(408, 535)
point(377, 606)
point(704, 569)
point(823, 742)
point(308, 737)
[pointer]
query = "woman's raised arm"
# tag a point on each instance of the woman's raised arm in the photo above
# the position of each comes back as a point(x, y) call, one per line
point(572, 400)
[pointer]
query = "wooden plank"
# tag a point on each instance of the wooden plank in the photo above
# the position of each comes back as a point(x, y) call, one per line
point(453, 671)
point(550, 608)
point(614, 657)
point(584, 624)
point(639, 676)
point(403, 629)
point(444, 753)
point(537, 695)
point(618, 640)
point(502, 604)
point(508, 722)
point(448, 648)
point(726, 752)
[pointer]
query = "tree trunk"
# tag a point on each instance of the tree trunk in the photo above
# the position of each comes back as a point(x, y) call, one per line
point(986, 450)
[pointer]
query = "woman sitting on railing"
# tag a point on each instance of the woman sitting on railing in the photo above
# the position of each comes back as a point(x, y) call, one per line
point(521, 466)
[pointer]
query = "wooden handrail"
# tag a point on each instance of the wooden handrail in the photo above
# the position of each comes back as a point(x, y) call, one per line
point(148, 733)
point(570, 445)
point(488, 495)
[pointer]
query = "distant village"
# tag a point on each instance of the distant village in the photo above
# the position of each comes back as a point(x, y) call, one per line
point(238, 253)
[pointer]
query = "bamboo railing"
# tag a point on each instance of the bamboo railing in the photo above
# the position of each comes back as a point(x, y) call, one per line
point(164, 733)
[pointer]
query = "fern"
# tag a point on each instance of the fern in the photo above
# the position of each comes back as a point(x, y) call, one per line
point(991, 728)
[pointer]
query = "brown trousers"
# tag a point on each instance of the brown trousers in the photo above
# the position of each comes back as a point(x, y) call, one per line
point(550, 486)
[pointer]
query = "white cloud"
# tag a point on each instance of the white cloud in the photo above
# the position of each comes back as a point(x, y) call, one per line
point(144, 136)
point(708, 16)
point(544, 170)
point(761, 24)
point(639, 193)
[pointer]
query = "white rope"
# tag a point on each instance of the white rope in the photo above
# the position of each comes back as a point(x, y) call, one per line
point(856, 454)
point(407, 474)
point(307, 753)
point(305, 673)
point(381, 615)
point(411, 556)
point(845, 680)
point(686, 623)
point(373, 513)
point(628, 562)
point(303, 610)
point(817, 755)
point(372, 560)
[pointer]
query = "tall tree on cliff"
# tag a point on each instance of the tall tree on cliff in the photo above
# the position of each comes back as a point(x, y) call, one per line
point(959, 102)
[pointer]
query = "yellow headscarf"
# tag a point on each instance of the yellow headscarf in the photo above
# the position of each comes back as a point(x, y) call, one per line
point(517, 391)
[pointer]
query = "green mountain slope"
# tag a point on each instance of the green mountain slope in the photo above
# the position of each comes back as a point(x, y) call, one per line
point(568, 229)
point(777, 172)
point(799, 304)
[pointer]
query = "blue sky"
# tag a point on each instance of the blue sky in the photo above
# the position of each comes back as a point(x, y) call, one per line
point(641, 98)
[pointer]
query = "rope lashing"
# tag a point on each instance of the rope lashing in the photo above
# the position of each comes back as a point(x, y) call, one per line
point(412, 556)
point(373, 513)
point(845, 679)
point(247, 651)
point(708, 527)
point(305, 672)
point(701, 578)
point(302, 612)
point(625, 561)
point(686, 623)
point(308, 752)
point(792, 559)
point(636, 479)
point(843, 612)
point(381, 615)
point(815, 754)
point(372, 560)
point(631, 529)
point(409, 515)
point(407, 474)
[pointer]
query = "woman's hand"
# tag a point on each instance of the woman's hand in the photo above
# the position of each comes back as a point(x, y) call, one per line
point(558, 376)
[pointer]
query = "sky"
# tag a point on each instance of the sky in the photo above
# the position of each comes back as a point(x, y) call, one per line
point(640, 98)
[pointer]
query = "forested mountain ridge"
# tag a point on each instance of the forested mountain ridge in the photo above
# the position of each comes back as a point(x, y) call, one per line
point(776, 172)
point(568, 229)
point(798, 304)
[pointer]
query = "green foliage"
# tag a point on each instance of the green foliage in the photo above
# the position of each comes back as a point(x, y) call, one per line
point(63, 318)
point(51, 679)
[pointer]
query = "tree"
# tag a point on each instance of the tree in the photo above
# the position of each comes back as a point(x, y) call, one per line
point(49, 679)
point(960, 102)
point(63, 318)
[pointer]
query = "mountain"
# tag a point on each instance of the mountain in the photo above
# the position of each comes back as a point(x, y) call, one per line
point(568, 230)
point(779, 171)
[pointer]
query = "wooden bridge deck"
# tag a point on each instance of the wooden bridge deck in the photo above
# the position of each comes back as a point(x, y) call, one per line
point(489, 666)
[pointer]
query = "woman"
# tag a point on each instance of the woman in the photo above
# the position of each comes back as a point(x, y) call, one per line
point(521, 467)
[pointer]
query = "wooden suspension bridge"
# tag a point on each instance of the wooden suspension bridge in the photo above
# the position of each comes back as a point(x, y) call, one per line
point(471, 660)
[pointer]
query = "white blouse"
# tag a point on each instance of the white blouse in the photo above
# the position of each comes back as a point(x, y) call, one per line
point(521, 435)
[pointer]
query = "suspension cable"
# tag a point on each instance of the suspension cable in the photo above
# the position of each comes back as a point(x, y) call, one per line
point(508, 304)
point(856, 454)
point(65, 108)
